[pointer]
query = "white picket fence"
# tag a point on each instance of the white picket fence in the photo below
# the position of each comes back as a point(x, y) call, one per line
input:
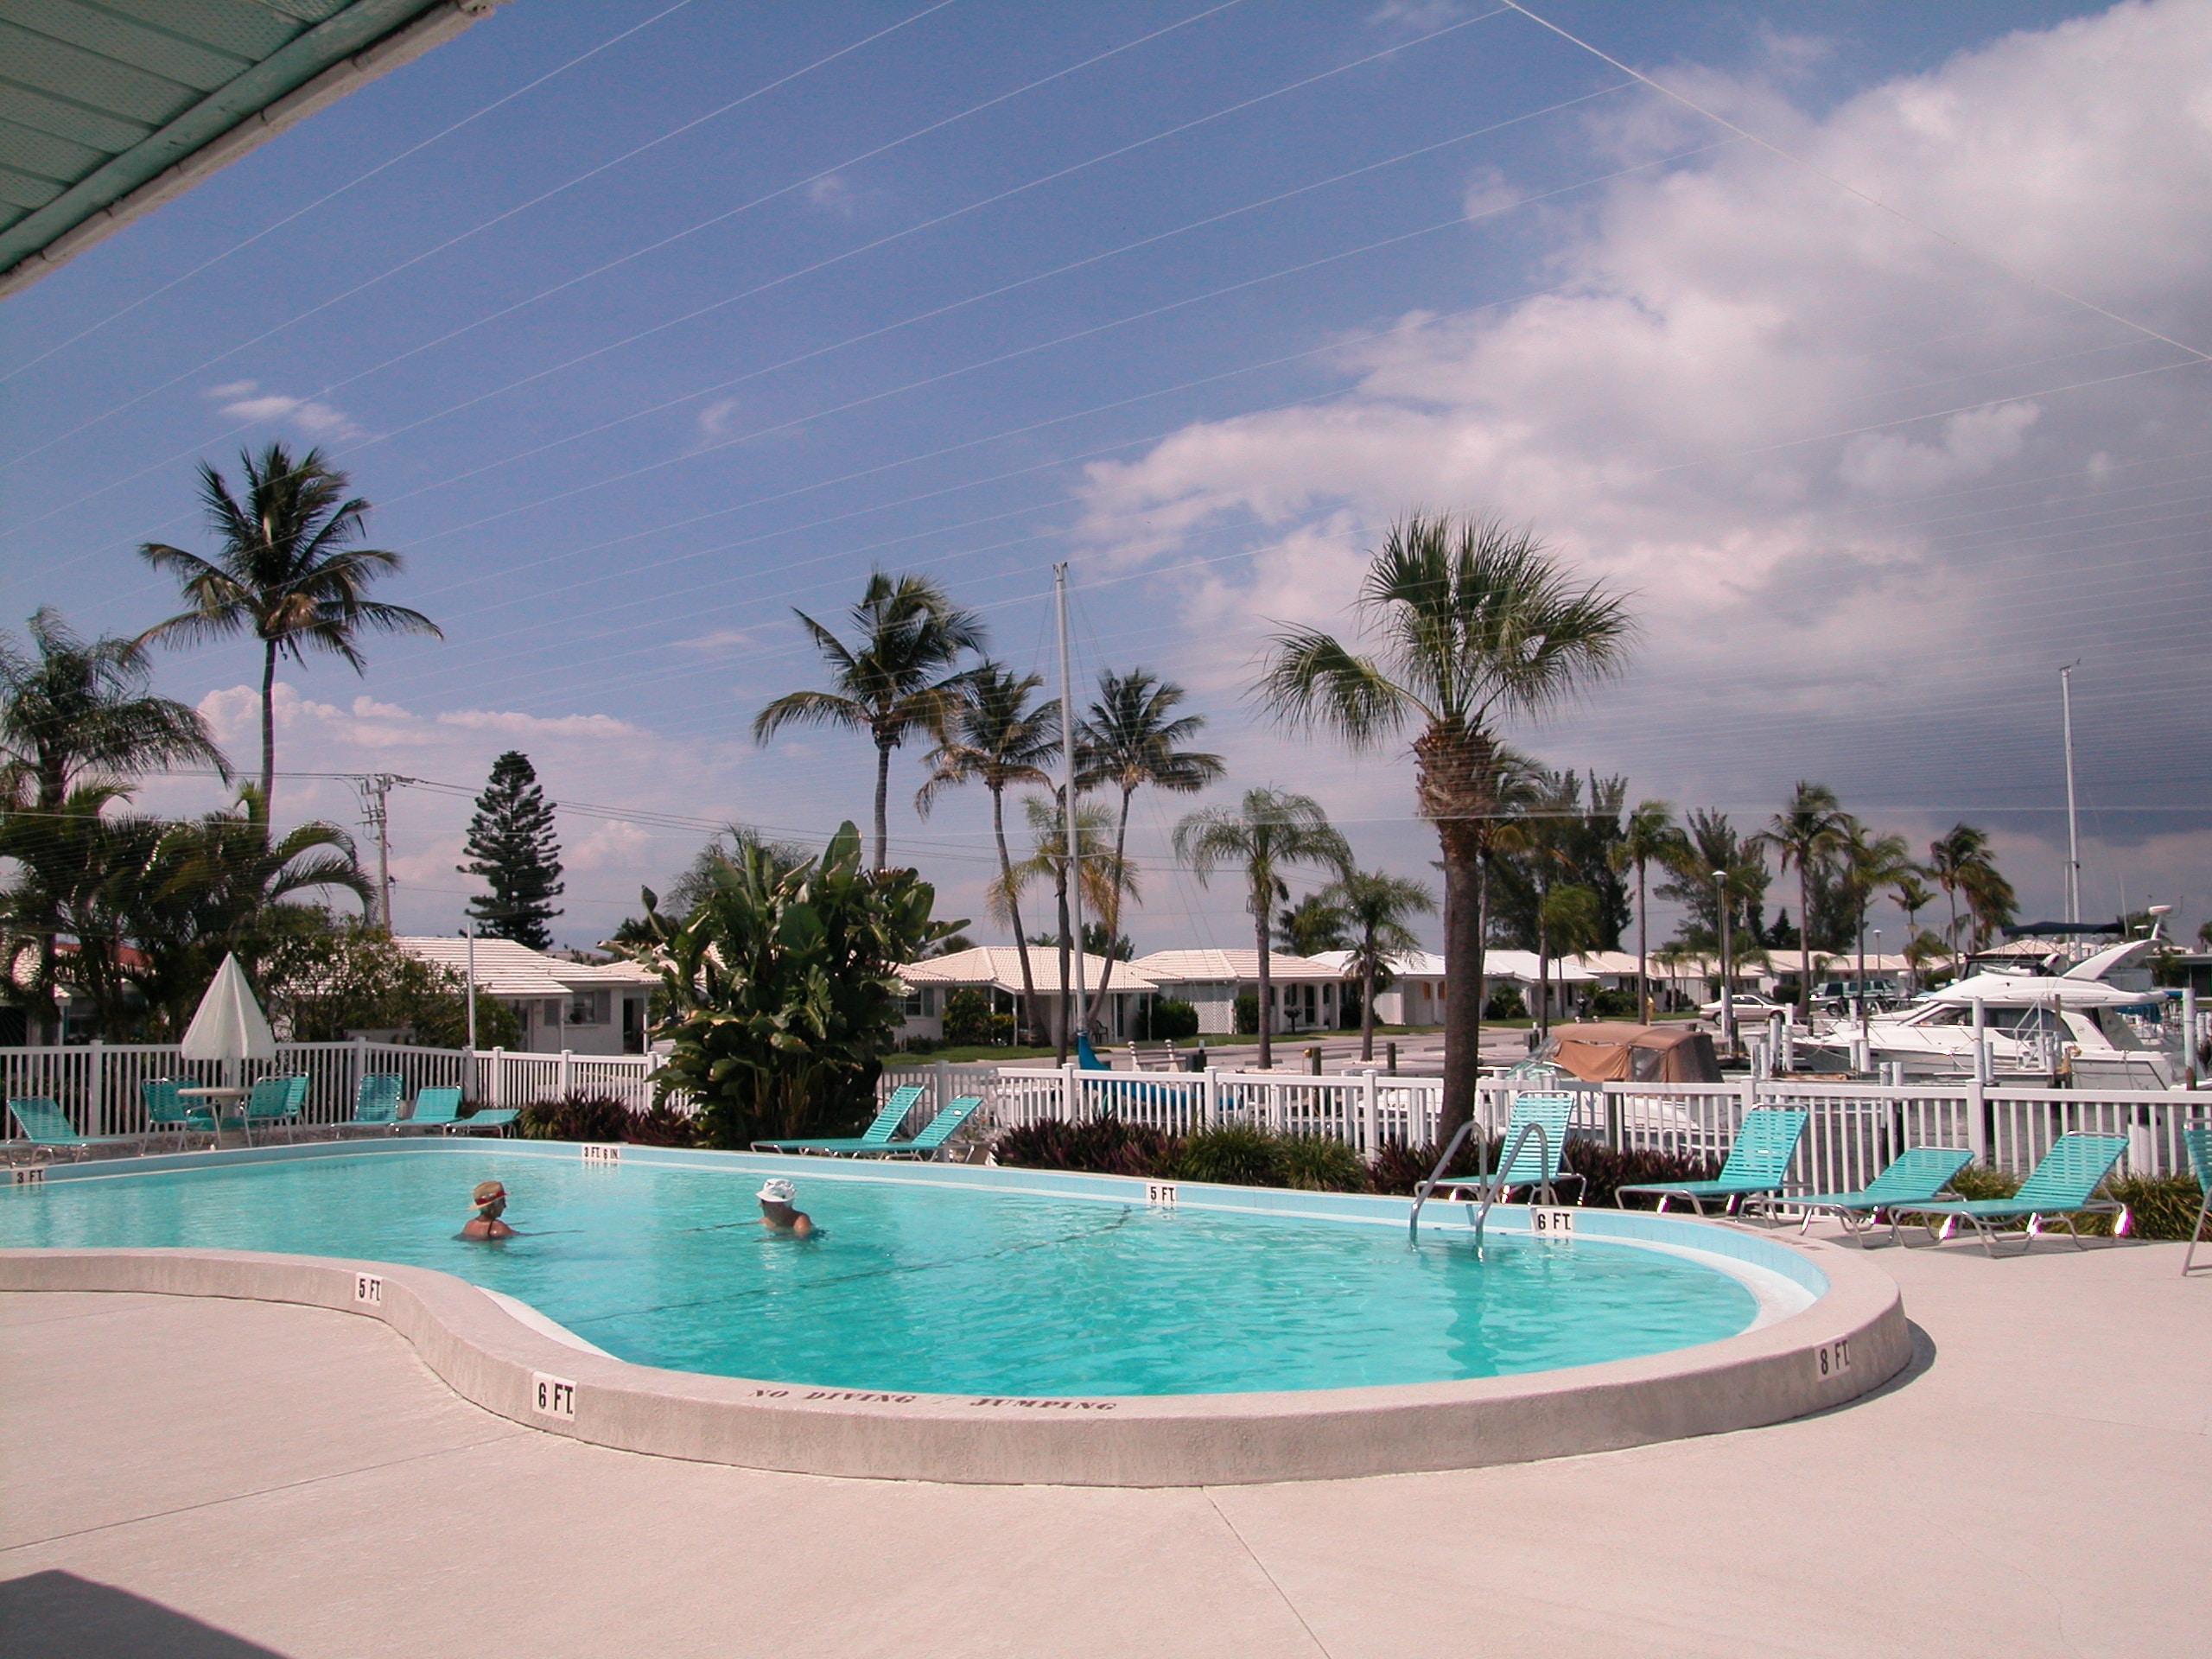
point(1854, 1131)
point(101, 1085)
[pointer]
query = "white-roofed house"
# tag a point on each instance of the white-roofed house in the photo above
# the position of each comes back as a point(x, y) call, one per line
point(996, 970)
point(584, 1007)
point(1305, 993)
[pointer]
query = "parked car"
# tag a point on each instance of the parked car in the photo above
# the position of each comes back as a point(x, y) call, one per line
point(1841, 995)
point(1749, 1008)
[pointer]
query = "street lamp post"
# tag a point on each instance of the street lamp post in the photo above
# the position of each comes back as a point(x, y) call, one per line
point(1727, 1000)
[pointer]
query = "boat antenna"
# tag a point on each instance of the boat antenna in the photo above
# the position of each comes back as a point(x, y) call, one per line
point(2072, 833)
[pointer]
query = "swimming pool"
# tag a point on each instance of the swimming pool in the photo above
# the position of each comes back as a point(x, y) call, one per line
point(931, 1286)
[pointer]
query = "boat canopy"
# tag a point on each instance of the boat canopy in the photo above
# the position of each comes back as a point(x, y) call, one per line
point(1602, 1052)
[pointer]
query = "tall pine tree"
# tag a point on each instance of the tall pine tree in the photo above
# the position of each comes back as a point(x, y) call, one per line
point(512, 845)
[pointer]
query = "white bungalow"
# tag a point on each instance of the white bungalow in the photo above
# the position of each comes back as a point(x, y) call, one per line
point(1416, 993)
point(996, 970)
point(585, 1007)
point(1304, 993)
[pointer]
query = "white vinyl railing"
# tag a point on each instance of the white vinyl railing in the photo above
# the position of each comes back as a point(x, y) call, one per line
point(101, 1085)
point(1853, 1129)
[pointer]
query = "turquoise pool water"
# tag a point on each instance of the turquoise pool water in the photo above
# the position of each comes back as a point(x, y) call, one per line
point(921, 1288)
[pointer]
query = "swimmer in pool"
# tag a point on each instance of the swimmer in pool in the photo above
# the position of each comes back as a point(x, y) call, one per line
point(777, 1213)
point(491, 1200)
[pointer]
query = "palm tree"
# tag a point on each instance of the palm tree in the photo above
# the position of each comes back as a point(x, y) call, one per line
point(1375, 908)
point(1990, 901)
point(1801, 836)
point(998, 738)
point(1869, 862)
point(1910, 890)
point(287, 569)
point(1266, 832)
point(1648, 835)
point(1129, 739)
point(1098, 870)
point(1479, 623)
point(75, 713)
point(900, 678)
point(1956, 862)
point(220, 884)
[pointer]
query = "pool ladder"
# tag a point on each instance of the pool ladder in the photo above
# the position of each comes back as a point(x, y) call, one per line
point(1489, 1188)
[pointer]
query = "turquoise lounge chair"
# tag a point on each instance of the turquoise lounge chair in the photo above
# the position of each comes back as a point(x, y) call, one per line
point(440, 1108)
point(1918, 1173)
point(48, 1130)
point(889, 1117)
point(274, 1101)
point(376, 1103)
point(934, 1135)
point(2058, 1188)
point(1535, 1161)
point(168, 1112)
point(1757, 1163)
point(2199, 1141)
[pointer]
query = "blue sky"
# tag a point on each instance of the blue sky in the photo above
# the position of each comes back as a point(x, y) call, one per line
point(708, 318)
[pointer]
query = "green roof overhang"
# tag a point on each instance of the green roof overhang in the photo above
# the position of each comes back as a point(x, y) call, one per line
point(108, 109)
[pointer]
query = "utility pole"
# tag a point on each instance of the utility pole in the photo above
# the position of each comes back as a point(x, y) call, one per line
point(373, 788)
point(1067, 796)
point(2073, 836)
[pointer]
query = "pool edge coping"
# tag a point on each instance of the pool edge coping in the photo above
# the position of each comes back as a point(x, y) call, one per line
point(1853, 1338)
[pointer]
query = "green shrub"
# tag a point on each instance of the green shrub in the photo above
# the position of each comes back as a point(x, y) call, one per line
point(1173, 1018)
point(1604, 1170)
point(2160, 1206)
point(1320, 1163)
point(603, 1117)
point(1505, 1003)
point(1105, 1146)
point(1234, 1154)
point(970, 1023)
point(1248, 1014)
point(1614, 1005)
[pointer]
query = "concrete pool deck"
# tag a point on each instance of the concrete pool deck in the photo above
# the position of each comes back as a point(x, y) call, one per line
point(222, 1478)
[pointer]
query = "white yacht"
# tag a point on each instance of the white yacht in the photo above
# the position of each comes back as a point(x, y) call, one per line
point(2042, 1025)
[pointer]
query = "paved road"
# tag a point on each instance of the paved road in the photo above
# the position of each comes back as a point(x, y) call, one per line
point(215, 1480)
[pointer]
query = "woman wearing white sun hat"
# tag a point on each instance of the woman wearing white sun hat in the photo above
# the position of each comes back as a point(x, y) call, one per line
point(777, 1213)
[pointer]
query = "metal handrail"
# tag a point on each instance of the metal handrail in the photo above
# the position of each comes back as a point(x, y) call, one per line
point(1488, 1186)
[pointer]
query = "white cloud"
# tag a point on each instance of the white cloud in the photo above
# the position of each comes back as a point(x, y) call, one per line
point(244, 400)
point(511, 724)
point(833, 194)
point(610, 845)
point(1711, 408)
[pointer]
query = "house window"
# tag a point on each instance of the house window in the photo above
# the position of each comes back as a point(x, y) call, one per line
point(591, 1007)
point(921, 1002)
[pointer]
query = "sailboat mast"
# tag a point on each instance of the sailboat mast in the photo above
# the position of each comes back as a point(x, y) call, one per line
point(2073, 833)
point(1067, 793)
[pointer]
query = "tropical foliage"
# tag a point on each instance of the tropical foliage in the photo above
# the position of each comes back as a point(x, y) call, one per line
point(1375, 911)
point(998, 738)
point(901, 677)
point(1479, 623)
point(285, 569)
point(781, 988)
point(1269, 831)
point(327, 978)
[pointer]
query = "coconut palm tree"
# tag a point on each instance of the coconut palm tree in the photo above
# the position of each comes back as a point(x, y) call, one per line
point(76, 712)
point(1479, 623)
point(900, 676)
point(998, 738)
point(1266, 833)
point(1648, 835)
point(1129, 739)
point(1097, 871)
point(1909, 890)
point(1376, 909)
point(1869, 863)
point(1956, 862)
point(287, 570)
point(1801, 836)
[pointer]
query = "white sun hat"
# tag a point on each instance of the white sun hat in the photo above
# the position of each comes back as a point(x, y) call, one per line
point(776, 1190)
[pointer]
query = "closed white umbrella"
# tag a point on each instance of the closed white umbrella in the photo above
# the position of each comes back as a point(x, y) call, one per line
point(230, 1025)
